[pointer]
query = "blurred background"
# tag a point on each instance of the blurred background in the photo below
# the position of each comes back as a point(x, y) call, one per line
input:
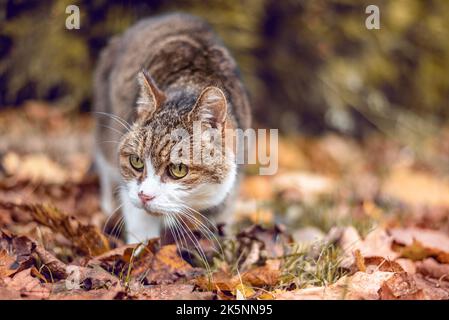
point(309, 65)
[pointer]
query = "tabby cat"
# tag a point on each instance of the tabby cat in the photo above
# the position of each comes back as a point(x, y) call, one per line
point(165, 74)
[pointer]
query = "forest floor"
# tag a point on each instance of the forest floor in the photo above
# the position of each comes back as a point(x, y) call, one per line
point(342, 219)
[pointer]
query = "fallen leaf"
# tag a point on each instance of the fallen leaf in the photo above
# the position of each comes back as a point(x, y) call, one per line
point(408, 265)
point(376, 244)
point(418, 244)
point(87, 238)
point(167, 267)
point(6, 264)
point(243, 292)
point(271, 243)
point(381, 264)
point(221, 281)
point(430, 267)
point(8, 294)
point(28, 285)
point(80, 294)
point(360, 286)
point(266, 275)
point(400, 286)
point(359, 261)
point(433, 289)
point(19, 248)
point(169, 292)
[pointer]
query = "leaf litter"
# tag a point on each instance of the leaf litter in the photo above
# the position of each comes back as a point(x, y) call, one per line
point(335, 222)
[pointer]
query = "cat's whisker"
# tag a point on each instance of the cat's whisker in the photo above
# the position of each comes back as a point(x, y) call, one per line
point(187, 211)
point(120, 229)
point(118, 189)
point(207, 233)
point(211, 223)
point(183, 239)
point(174, 231)
point(113, 129)
point(171, 219)
point(110, 217)
point(210, 234)
point(119, 120)
point(114, 231)
point(204, 229)
point(182, 224)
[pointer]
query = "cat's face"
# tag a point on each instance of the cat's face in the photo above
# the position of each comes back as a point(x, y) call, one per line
point(159, 160)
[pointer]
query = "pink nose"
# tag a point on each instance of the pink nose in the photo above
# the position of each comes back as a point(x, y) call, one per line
point(145, 197)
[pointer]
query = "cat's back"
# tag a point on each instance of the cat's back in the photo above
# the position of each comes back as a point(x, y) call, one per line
point(178, 50)
point(165, 45)
point(152, 30)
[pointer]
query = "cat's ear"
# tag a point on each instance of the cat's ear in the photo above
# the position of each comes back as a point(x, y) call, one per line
point(210, 107)
point(150, 96)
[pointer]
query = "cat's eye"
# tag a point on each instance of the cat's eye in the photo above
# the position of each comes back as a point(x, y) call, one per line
point(136, 162)
point(177, 170)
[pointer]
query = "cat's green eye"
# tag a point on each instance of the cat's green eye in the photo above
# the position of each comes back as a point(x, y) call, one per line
point(177, 170)
point(136, 162)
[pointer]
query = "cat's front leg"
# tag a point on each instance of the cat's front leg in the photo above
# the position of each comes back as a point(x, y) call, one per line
point(139, 225)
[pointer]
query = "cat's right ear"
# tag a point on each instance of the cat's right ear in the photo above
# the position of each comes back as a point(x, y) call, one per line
point(150, 96)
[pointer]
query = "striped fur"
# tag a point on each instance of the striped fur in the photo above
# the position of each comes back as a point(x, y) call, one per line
point(188, 75)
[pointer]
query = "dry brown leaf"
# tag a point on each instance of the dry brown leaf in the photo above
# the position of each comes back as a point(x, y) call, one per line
point(359, 261)
point(243, 292)
point(418, 244)
point(226, 283)
point(28, 285)
point(408, 265)
point(19, 248)
point(128, 260)
point(87, 239)
point(8, 294)
point(267, 275)
point(430, 267)
point(433, 289)
point(376, 244)
point(25, 253)
point(271, 243)
point(167, 267)
point(92, 278)
point(7, 263)
point(381, 264)
point(219, 281)
point(400, 286)
point(169, 292)
point(80, 294)
point(360, 286)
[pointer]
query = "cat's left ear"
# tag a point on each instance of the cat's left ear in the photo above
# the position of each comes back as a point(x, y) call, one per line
point(150, 97)
point(210, 107)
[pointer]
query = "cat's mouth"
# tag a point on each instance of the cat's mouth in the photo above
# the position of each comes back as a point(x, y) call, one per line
point(153, 211)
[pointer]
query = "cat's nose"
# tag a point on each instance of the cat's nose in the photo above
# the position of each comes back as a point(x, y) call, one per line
point(145, 197)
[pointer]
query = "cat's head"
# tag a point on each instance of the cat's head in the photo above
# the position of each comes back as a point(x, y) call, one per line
point(174, 156)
